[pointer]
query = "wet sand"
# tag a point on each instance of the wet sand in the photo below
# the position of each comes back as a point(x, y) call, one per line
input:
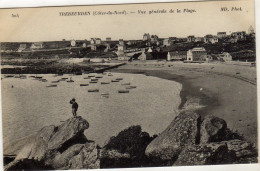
point(227, 91)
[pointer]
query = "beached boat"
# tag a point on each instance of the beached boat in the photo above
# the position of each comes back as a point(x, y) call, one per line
point(123, 91)
point(104, 82)
point(94, 79)
point(55, 81)
point(83, 84)
point(105, 94)
point(93, 90)
point(91, 76)
point(23, 76)
point(78, 73)
point(119, 78)
point(70, 81)
point(43, 80)
point(38, 77)
point(109, 75)
point(93, 82)
point(64, 78)
point(52, 85)
point(126, 84)
point(9, 76)
point(114, 80)
point(99, 76)
point(130, 87)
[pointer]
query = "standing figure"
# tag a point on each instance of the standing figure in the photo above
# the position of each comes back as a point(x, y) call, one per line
point(74, 107)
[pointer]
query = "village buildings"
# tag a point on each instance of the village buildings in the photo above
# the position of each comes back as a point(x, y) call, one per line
point(108, 39)
point(221, 35)
point(251, 30)
point(197, 54)
point(239, 35)
point(121, 42)
point(199, 39)
point(37, 45)
point(154, 38)
point(72, 43)
point(191, 39)
point(210, 39)
point(145, 56)
point(95, 41)
point(166, 42)
point(22, 47)
point(146, 37)
point(177, 56)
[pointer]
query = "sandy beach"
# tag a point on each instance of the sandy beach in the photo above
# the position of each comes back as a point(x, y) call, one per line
point(227, 91)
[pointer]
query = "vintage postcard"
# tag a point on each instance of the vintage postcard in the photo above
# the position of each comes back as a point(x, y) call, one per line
point(129, 85)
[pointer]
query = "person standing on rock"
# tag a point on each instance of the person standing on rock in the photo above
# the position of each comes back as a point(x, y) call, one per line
point(74, 107)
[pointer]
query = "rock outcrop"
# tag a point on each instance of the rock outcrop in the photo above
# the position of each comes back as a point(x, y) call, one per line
point(212, 129)
point(181, 132)
point(200, 143)
point(61, 147)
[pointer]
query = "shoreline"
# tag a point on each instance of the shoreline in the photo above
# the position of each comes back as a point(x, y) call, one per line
point(210, 100)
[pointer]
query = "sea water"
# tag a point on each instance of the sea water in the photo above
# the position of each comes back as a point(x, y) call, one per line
point(29, 105)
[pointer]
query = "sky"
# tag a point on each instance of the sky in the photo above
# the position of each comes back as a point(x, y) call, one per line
point(46, 23)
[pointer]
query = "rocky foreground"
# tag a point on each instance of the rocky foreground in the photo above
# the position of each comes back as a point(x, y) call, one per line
point(188, 140)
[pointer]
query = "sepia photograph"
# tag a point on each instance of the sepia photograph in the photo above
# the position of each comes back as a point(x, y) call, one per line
point(162, 84)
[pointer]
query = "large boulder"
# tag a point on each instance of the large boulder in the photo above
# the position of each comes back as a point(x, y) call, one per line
point(113, 154)
point(36, 150)
point(66, 131)
point(213, 129)
point(78, 156)
point(245, 151)
point(55, 146)
point(204, 154)
point(184, 130)
point(87, 158)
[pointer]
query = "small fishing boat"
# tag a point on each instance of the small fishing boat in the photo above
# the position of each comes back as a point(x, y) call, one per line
point(23, 76)
point(86, 77)
point(43, 80)
point(104, 73)
point(9, 76)
point(55, 81)
point(93, 90)
point(126, 84)
point(109, 75)
point(93, 82)
point(32, 76)
point(94, 79)
point(105, 94)
point(52, 85)
point(123, 91)
point(114, 80)
point(38, 77)
point(130, 87)
point(119, 78)
point(99, 76)
point(64, 78)
point(104, 82)
point(78, 73)
point(70, 81)
point(83, 84)
point(91, 76)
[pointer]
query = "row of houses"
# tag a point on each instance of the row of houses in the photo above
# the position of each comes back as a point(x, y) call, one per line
point(197, 54)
